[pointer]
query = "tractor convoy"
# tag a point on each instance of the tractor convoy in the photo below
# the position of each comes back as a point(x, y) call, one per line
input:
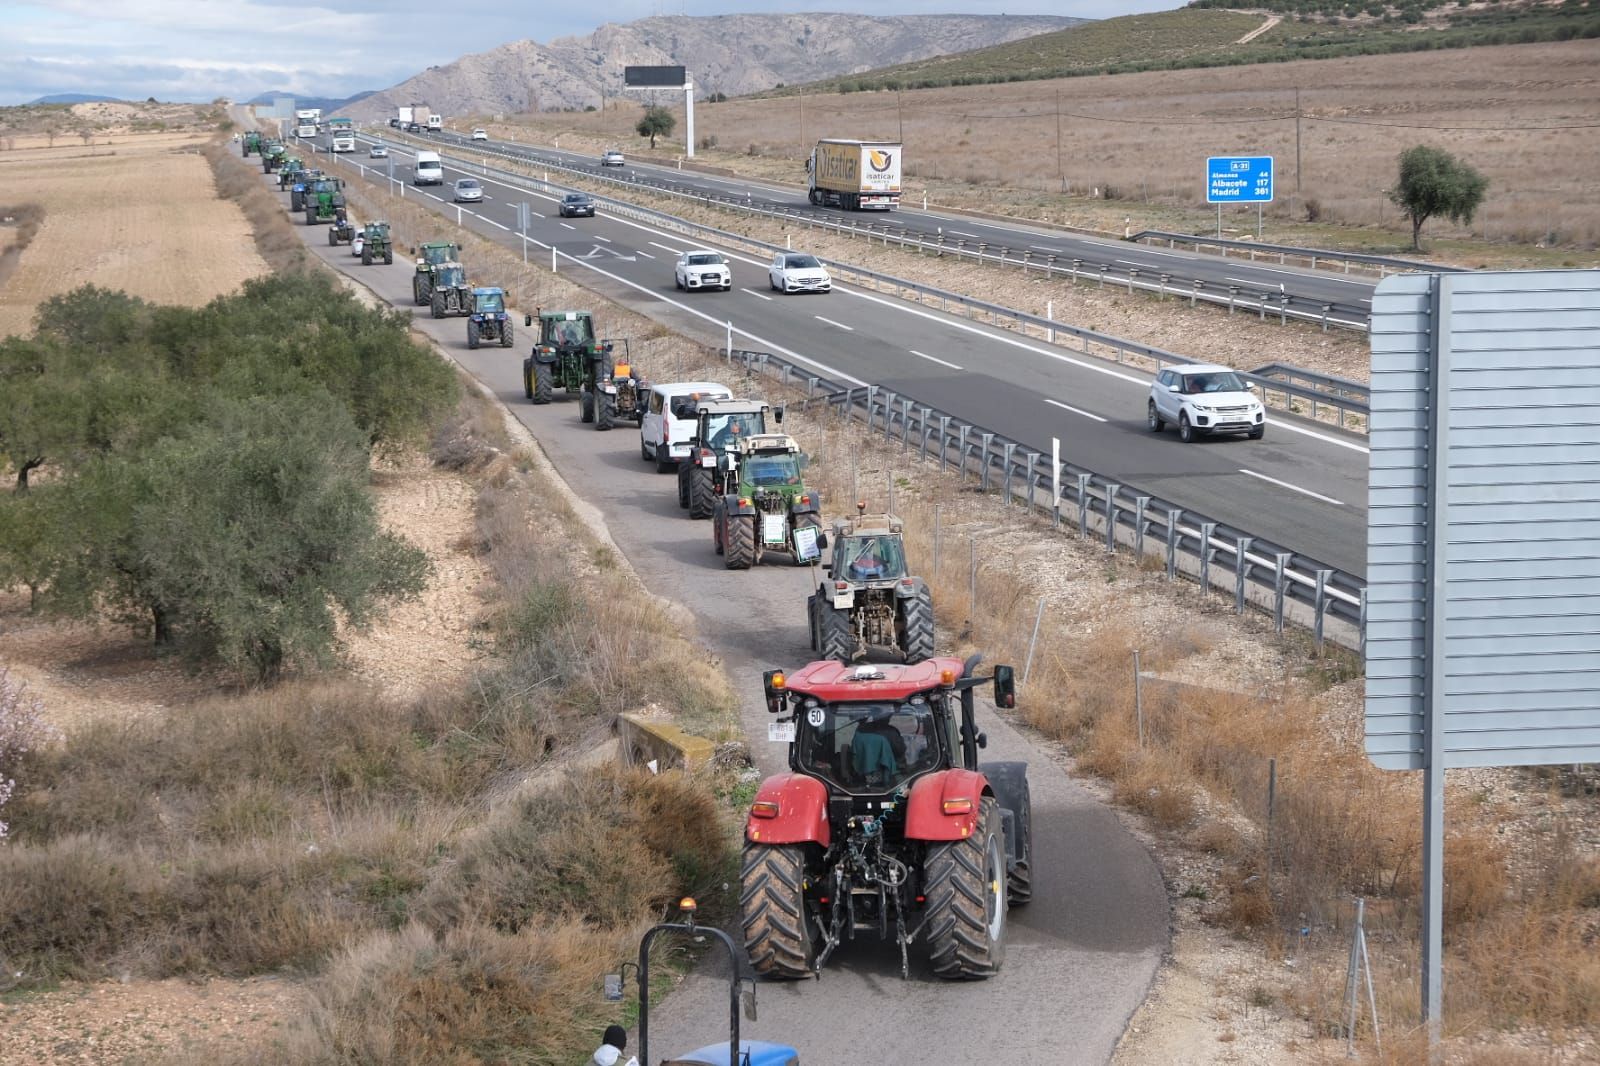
point(886, 822)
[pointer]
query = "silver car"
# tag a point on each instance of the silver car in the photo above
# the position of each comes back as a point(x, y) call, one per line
point(379, 151)
point(798, 272)
point(468, 191)
point(612, 158)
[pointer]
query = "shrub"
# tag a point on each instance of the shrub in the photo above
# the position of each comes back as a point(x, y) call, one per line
point(22, 729)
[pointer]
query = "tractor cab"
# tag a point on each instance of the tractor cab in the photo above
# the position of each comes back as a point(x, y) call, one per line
point(719, 426)
point(872, 747)
point(487, 321)
point(565, 331)
point(434, 253)
point(488, 301)
point(449, 276)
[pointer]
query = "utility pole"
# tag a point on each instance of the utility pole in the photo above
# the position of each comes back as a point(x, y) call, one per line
point(802, 119)
point(1297, 143)
point(900, 113)
point(1061, 173)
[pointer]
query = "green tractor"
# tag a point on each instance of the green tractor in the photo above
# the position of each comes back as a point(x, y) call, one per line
point(767, 507)
point(429, 257)
point(868, 598)
point(719, 427)
point(343, 231)
point(451, 293)
point(252, 144)
point(489, 321)
point(273, 153)
point(323, 199)
point(289, 172)
point(376, 244)
point(562, 355)
point(612, 389)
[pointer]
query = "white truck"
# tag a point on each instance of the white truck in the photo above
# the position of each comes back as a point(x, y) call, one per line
point(342, 134)
point(306, 120)
point(435, 123)
point(404, 116)
point(855, 175)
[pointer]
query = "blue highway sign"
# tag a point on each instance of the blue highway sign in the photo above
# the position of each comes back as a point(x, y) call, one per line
point(1239, 179)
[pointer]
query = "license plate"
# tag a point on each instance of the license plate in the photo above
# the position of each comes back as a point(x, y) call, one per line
point(780, 732)
point(772, 527)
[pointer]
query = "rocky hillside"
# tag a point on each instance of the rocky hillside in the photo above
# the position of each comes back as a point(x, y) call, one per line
point(731, 54)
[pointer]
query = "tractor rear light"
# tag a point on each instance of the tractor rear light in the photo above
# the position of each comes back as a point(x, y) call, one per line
point(908, 581)
point(921, 898)
point(841, 585)
point(805, 499)
point(744, 501)
point(778, 680)
point(957, 806)
point(764, 809)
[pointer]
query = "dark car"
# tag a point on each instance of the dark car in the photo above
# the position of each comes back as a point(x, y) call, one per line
point(577, 205)
point(412, 127)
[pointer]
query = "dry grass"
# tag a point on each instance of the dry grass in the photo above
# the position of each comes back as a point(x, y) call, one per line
point(139, 219)
point(1134, 145)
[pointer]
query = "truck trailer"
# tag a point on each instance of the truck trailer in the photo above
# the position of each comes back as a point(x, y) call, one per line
point(342, 133)
point(306, 120)
point(855, 175)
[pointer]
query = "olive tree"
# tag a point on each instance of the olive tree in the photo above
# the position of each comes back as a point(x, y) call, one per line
point(1433, 182)
point(657, 121)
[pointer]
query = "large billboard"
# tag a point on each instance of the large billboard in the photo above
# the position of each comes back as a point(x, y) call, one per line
point(655, 77)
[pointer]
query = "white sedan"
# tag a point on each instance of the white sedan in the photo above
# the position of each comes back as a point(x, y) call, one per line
point(798, 272)
point(480, 134)
point(378, 151)
point(702, 268)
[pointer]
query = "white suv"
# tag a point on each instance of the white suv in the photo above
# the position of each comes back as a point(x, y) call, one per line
point(664, 436)
point(1203, 399)
point(702, 268)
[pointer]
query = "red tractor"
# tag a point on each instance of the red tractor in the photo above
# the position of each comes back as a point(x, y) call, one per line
point(887, 820)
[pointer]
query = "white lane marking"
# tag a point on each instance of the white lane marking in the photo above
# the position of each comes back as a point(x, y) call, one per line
point(600, 238)
point(492, 222)
point(757, 295)
point(569, 225)
point(1075, 410)
point(433, 197)
point(964, 233)
point(831, 322)
point(647, 255)
point(1043, 247)
point(664, 248)
point(1293, 488)
point(932, 359)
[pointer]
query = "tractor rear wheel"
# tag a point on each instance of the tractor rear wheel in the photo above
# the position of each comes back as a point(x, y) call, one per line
point(702, 492)
point(1019, 878)
point(739, 540)
point(965, 885)
point(772, 906)
point(916, 626)
point(297, 200)
point(366, 255)
point(311, 215)
point(472, 334)
point(436, 304)
point(421, 289)
point(606, 416)
point(544, 383)
point(811, 620)
point(836, 637)
point(333, 236)
point(716, 531)
point(586, 407)
point(506, 334)
point(388, 254)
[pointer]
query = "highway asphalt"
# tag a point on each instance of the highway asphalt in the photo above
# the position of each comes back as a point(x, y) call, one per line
point(1350, 297)
point(1080, 957)
point(1302, 488)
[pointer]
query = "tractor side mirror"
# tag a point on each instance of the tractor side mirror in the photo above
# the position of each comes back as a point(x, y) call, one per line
point(777, 415)
point(803, 461)
point(1005, 687)
point(527, 320)
point(773, 682)
point(822, 540)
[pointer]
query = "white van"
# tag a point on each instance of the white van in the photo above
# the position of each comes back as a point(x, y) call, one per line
point(427, 170)
point(664, 436)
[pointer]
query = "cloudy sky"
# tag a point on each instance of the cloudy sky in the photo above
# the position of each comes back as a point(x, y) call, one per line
point(202, 49)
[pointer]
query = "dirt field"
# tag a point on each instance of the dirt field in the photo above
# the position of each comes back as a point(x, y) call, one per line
point(1140, 141)
point(139, 215)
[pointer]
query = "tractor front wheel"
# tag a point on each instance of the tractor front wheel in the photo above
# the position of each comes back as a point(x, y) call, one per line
point(366, 256)
point(388, 255)
point(965, 885)
point(739, 540)
point(472, 335)
point(772, 907)
point(702, 492)
point(586, 407)
point(311, 216)
point(421, 291)
point(333, 236)
point(505, 334)
point(544, 383)
point(1019, 879)
point(835, 636)
point(916, 626)
point(606, 415)
point(436, 304)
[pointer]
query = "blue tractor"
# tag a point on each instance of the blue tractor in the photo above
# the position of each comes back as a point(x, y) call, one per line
point(489, 321)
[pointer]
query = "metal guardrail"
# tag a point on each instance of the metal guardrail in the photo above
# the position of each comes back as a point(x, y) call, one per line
point(1287, 387)
point(1263, 300)
point(1385, 264)
point(1289, 586)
